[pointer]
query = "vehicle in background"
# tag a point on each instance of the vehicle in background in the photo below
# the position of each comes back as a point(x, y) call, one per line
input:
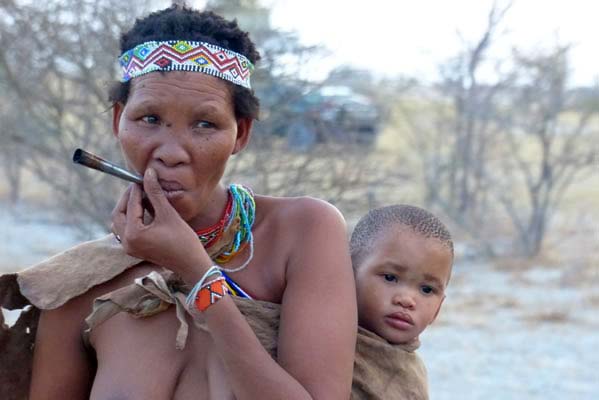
point(333, 114)
point(327, 114)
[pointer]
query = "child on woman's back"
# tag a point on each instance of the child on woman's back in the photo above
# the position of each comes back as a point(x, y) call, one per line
point(402, 257)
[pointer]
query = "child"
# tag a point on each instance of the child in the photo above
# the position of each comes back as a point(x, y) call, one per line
point(402, 257)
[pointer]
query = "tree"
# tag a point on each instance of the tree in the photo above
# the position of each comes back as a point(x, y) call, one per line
point(546, 120)
point(509, 146)
point(56, 59)
point(338, 172)
point(55, 68)
point(452, 131)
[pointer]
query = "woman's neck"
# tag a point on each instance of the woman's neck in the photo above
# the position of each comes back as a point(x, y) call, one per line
point(213, 211)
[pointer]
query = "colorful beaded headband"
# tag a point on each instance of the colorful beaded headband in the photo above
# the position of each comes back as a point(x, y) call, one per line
point(184, 55)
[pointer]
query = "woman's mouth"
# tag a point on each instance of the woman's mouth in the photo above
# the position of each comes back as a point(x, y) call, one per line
point(171, 189)
point(173, 194)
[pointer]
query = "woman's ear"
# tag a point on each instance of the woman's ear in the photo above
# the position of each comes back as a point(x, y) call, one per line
point(117, 112)
point(244, 130)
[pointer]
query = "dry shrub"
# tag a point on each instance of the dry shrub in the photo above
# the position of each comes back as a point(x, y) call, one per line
point(509, 303)
point(545, 259)
point(554, 316)
point(582, 273)
point(593, 300)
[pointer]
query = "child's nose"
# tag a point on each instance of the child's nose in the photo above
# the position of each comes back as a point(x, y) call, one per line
point(404, 299)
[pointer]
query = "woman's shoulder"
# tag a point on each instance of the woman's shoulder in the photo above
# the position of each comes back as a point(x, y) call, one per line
point(301, 225)
point(304, 210)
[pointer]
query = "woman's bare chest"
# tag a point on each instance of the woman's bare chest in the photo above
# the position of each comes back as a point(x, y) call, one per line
point(137, 359)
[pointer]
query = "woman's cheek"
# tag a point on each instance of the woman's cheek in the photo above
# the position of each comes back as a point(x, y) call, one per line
point(133, 149)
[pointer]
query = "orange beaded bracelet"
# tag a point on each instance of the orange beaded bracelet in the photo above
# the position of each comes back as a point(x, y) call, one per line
point(211, 293)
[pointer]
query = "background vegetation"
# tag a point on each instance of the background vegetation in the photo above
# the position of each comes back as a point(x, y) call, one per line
point(505, 150)
point(495, 156)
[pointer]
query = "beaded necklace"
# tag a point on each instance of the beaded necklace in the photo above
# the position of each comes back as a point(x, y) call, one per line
point(233, 232)
point(209, 236)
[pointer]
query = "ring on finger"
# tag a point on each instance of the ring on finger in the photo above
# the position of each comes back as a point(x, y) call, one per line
point(117, 237)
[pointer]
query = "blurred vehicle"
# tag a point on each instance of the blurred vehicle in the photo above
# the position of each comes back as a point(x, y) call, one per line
point(327, 114)
point(332, 114)
point(353, 111)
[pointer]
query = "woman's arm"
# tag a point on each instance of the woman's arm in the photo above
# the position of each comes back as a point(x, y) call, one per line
point(317, 335)
point(318, 320)
point(61, 366)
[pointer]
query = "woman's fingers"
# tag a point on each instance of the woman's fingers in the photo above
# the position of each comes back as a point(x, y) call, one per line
point(121, 205)
point(119, 213)
point(155, 194)
point(135, 211)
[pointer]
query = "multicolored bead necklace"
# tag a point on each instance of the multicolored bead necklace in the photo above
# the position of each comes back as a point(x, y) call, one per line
point(233, 232)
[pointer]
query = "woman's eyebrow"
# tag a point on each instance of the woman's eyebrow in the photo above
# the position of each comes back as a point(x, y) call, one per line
point(206, 108)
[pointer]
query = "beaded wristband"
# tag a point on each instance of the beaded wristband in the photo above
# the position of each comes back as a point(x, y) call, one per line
point(205, 293)
point(211, 293)
point(191, 297)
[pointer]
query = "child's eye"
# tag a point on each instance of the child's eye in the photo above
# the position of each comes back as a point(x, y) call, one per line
point(426, 289)
point(150, 119)
point(390, 277)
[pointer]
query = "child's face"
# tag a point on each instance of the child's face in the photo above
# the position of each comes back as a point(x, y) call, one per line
point(401, 284)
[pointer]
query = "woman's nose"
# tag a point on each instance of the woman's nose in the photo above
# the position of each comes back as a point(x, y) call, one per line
point(172, 153)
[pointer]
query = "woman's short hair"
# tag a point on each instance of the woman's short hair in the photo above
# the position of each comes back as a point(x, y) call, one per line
point(183, 23)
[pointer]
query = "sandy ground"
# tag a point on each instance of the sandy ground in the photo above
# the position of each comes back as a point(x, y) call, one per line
point(507, 335)
point(504, 333)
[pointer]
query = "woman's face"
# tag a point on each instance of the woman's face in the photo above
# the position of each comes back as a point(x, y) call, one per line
point(183, 125)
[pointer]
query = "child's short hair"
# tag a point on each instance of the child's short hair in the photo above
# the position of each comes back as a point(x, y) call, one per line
point(419, 220)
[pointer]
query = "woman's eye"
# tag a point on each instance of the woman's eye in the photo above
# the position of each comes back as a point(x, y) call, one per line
point(390, 278)
point(205, 124)
point(150, 119)
point(427, 289)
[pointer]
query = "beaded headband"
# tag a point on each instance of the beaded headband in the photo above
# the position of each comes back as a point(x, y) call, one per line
point(182, 55)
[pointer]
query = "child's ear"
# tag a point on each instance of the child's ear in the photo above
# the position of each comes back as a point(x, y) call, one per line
point(438, 309)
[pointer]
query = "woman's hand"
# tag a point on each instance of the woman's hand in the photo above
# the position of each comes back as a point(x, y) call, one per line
point(167, 240)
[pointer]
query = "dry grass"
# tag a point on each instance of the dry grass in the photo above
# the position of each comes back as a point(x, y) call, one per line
point(593, 300)
point(554, 317)
point(583, 274)
point(516, 264)
point(486, 303)
point(509, 303)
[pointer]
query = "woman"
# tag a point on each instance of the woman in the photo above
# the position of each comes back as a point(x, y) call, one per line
point(182, 109)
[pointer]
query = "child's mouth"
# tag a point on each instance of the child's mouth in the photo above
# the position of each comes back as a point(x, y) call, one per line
point(400, 320)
